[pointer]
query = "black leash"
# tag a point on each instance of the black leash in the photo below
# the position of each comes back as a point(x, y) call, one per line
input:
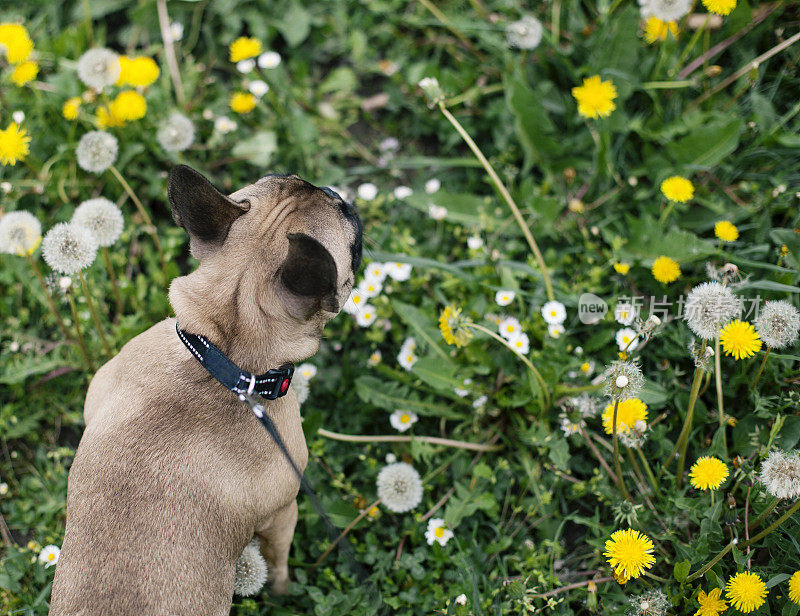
point(271, 385)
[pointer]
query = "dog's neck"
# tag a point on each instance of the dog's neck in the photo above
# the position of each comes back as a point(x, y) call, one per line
point(225, 308)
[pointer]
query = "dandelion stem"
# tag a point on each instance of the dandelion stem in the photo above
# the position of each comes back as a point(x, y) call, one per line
point(773, 526)
point(95, 316)
point(81, 341)
point(757, 522)
point(760, 370)
point(683, 438)
point(524, 359)
point(169, 50)
point(647, 469)
point(597, 455)
point(114, 283)
point(636, 469)
point(506, 196)
point(615, 443)
point(151, 229)
point(709, 564)
point(720, 406)
point(344, 532)
point(433, 440)
point(48, 296)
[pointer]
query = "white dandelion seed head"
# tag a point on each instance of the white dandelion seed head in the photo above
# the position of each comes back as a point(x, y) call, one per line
point(700, 356)
point(99, 67)
point(399, 487)
point(97, 151)
point(584, 404)
point(102, 217)
point(634, 380)
point(20, 233)
point(251, 571)
point(525, 33)
point(652, 603)
point(176, 133)
point(778, 324)
point(18, 116)
point(301, 386)
point(403, 192)
point(780, 474)
point(709, 307)
point(68, 248)
point(635, 435)
point(367, 191)
point(622, 381)
point(665, 10)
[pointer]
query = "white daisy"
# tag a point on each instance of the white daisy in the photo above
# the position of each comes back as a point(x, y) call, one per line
point(554, 313)
point(224, 125)
point(269, 60)
point(367, 315)
point(504, 298)
point(625, 313)
point(375, 358)
point(474, 242)
point(520, 343)
point(437, 212)
point(399, 487)
point(258, 88)
point(18, 116)
point(433, 185)
point(355, 302)
point(438, 531)
point(376, 272)
point(370, 288)
point(403, 420)
point(398, 271)
point(367, 191)
point(625, 337)
point(49, 555)
point(308, 371)
point(176, 31)
point(245, 66)
point(403, 192)
point(509, 328)
point(555, 330)
point(480, 401)
point(407, 358)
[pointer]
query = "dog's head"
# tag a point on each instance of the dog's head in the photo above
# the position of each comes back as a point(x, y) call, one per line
point(290, 248)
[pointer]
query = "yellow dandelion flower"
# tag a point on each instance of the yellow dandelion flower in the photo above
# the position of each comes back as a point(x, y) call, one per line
point(128, 105)
point(24, 72)
point(13, 144)
point(243, 102)
point(70, 108)
point(666, 270)
point(726, 231)
point(794, 587)
point(629, 553)
point(628, 413)
point(708, 473)
point(622, 268)
point(595, 97)
point(15, 42)
point(453, 326)
point(677, 188)
point(720, 7)
point(106, 119)
point(740, 339)
point(746, 591)
point(657, 30)
point(711, 604)
point(244, 47)
point(139, 72)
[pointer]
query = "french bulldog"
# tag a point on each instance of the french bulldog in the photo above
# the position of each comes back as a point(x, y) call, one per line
point(174, 475)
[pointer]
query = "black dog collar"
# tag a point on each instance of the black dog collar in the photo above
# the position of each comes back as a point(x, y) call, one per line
point(271, 385)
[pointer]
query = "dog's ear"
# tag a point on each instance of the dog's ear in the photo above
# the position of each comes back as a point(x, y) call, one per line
point(309, 275)
point(198, 207)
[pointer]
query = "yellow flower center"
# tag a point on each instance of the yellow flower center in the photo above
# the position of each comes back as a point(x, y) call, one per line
point(439, 532)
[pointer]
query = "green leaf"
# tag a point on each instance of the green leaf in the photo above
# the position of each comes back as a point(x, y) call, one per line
point(708, 145)
point(779, 578)
point(559, 453)
point(295, 25)
point(648, 239)
point(681, 570)
point(770, 285)
point(258, 149)
point(389, 396)
point(533, 124)
point(463, 208)
point(29, 367)
point(436, 373)
point(790, 432)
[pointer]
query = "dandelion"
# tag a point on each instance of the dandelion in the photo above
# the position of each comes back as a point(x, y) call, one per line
point(504, 298)
point(665, 270)
point(665, 10)
point(625, 313)
point(366, 315)
point(677, 188)
point(521, 344)
point(554, 312)
point(454, 327)
point(402, 192)
point(746, 591)
point(224, 125)
point(726, 231)
point(258, 88)
point(525, 33)
point(176, 133)
point(138, 72)
point(711, 604)
point(739, 339)
point(13, 144)
point(438, 532)
point(367, 191)
point(24, 73)
point(242, 102)
point(657, 30)
point(720, 7)
point(102, 217)
point(622, 380)
point(709, 306)
point(635, 436)
point(20, 233)
point(269, 60)
point(398, 271)
point(708, 473)
point(128, 106)
point(70, 108)
point(627, 340)
point(69, 248)
point(778, 324)
point(399, 487)
point(99, 67)
point(651, 603)
point(595, 97)
point(700, 355)
point(15, 42)
point(244, 47)
point(432, 186)
point(622, 268)
point(628, 413)
point(251, 571)
point(794, 587)
point(403, 420)
point(97, 151)
point(49, 555)
point(629, 553)
point(780, 474)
